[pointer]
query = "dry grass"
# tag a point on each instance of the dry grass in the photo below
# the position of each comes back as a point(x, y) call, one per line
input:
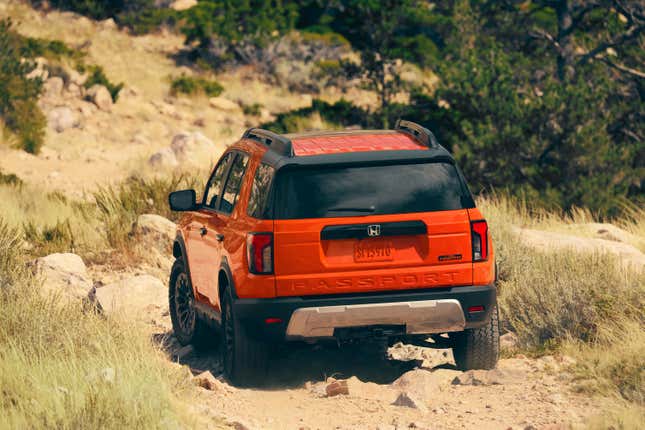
point(586, 305)
point(65, 367)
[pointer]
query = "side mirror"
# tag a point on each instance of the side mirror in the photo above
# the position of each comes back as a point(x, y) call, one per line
point(184, 200)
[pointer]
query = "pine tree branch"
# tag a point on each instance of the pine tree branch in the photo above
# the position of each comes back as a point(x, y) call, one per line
point(624, 69)
point(631, 33)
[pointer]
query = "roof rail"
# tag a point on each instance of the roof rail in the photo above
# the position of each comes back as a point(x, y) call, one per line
point(418, 132)
point(274, 141)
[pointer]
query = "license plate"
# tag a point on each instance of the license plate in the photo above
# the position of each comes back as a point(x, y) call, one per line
point(370, 251)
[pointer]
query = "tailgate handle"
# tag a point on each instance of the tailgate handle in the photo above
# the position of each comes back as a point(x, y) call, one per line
point(363, 231)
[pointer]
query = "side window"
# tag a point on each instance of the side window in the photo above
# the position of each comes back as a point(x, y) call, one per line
point(233, 184)
point(260, 191)
point(215, 183)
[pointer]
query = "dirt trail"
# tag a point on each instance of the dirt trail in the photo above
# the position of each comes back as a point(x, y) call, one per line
point(522, 393)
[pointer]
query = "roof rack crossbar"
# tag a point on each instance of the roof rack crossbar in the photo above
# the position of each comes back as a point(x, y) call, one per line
point(273, 141)
point(418, 132)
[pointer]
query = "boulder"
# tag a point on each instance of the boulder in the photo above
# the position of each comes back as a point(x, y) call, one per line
point(424, 384)
point(156, 228)
point(483, 377)
point(336, 388)
point(163, 158)
point(77, 78)
point(192, 147)
point(224, 104)
point(410, 400)
point(628, 254)
point(53, 87)
point(207, 381)
point(73, 91)
point(508, 341)
point(183, 4)
point(100, 96)
point(62, 118)
point(132, 296)
point(64, 275)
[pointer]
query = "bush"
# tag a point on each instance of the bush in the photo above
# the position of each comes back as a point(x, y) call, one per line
point(19, 94)
point(100, 9)
point(120, 205)
point(340, 114)
point(252, 109)
point(195, 85)
point(97, 77)
point(10, 179)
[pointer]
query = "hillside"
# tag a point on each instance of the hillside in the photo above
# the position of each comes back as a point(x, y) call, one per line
point(85, 255)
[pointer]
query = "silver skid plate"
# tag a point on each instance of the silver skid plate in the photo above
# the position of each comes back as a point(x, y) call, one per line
point(419, 317)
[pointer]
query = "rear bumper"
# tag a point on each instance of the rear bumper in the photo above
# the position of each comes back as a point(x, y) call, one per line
point(436, 310)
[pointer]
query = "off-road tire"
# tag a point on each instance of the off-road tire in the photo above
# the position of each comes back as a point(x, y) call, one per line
point(478, 348)
point(244, 359)
point(187, 326)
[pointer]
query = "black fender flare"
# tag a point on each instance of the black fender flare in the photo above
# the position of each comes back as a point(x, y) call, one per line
point(179, 252)
point(224, 266)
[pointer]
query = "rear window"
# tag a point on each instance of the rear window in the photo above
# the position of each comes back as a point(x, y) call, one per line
point(370, 190)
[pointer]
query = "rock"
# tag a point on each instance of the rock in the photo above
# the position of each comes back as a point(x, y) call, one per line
point(64, 274)
point(155, 227)
point(77, 78)
point(87, 109)
point(238, 424)
point(481, 377)
point(409, 400)
point(192, 147)
point(207, 381)
point(53, 87)
point(100, 96)
point(224, 104)
point(73, 91)
point(183, 4)
point(508, 341)
point(132, 296)
point(547, 240)
point(108, 24)
point(62, 118)
point(423, 383)
point(336, 388)
point(164, 158)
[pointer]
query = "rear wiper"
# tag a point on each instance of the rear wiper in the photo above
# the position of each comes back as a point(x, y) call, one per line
point(369, 209)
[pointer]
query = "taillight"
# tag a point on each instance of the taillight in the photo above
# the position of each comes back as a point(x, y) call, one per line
point(479, 232)
point(259, 252)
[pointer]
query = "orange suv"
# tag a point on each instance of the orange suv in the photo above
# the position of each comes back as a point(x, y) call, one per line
point(344, 235)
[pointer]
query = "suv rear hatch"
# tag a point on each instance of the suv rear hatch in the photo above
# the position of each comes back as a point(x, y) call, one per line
point(349, 229)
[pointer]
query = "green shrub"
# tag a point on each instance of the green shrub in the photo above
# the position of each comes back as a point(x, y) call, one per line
point(97, 77)
point(100, 9)
point(252, 109)
point(18, 94)
point(50, 49)
point(342, 113)
point(149, 19)
point(195, 85)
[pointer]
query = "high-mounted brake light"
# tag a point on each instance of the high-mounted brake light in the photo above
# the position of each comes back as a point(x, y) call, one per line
point(479, 233)
point(259, 253)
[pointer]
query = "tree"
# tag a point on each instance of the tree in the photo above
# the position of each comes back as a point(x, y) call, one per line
point(374, 29)
point(19, 94)
point(516, 122)
point(227, 29)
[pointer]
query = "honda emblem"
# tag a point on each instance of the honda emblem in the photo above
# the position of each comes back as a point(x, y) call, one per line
point(374, 230)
